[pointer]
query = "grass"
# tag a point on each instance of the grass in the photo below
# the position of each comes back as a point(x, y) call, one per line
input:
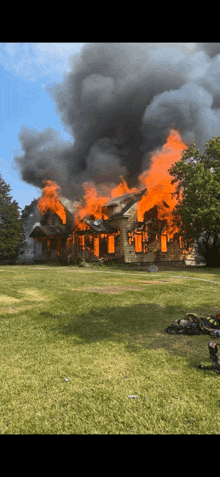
point(103, 329)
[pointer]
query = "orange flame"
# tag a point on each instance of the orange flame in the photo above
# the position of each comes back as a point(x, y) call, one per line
point(50, 200)
point(94, 202)
point(157, 180)
point(122, 189)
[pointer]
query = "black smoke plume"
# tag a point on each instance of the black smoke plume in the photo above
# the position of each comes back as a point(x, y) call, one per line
point(119, 101)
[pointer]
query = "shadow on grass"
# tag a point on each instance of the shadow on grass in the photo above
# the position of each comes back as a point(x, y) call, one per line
point(140, 326)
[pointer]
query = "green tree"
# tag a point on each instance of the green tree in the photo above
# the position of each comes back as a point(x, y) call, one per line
point(197, 178)
point(11, 231)
point(28, 209)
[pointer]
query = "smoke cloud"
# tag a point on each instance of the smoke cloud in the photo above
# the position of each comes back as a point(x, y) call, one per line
point(119, 102)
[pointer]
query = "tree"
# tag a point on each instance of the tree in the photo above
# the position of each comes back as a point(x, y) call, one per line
point(197, 213)
point(11, 232)
point(28, 209)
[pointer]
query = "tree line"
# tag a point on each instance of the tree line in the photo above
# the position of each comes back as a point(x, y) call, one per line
point(197, 213)
point(11, 223)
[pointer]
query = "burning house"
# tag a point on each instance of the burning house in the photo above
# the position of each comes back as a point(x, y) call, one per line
point(119, 234)
point(52, 235)
point(122, 236)
point(131, 110)
point(128, 224)
point(134, 224)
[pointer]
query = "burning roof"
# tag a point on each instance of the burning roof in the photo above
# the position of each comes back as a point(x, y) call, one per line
point(155, 189)
point(100, 226)
point(48, 231)
point(120, 199)
point(57, 213)
point(129, 199)
point(113, 203)
point(69, 205)
point(50, 200)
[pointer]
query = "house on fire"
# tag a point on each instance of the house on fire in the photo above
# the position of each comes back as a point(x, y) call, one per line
point(52, 237)
point(122, 236)
point(118, 236)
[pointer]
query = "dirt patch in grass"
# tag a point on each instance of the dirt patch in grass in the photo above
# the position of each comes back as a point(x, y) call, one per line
point(7, 300)
point(31, 294)
point(14, 309)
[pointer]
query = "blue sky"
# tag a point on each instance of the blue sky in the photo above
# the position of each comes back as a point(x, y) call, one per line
point(25, 70)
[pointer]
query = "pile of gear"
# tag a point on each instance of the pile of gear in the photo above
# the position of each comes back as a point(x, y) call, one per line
point(193, 325)
point(214, 356)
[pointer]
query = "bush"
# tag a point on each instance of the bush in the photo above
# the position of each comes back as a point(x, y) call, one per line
point(208, 251)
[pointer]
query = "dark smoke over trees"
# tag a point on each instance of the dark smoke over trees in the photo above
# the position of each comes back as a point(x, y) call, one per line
point(119, 102)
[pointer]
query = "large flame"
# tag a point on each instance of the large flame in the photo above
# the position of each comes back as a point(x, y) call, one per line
point(50, 200)
point(157, 180)
point(122, 189)
point(94, 202)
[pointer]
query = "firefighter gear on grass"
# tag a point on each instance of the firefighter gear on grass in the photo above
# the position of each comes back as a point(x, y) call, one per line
point(214, 356)
point(193, 325)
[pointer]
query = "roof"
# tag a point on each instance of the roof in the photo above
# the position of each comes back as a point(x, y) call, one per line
point(134, 199)
point(52, 230)
point(70, 205)
point(100, 226)
point(119, 200)
point(48, 231)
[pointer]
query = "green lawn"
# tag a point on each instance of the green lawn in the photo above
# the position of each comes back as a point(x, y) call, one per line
point(104, 330)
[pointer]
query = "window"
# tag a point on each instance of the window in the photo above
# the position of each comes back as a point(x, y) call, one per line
point(138, 242)
point(68, 243)
point(111, 244)
point(163, 243)
point(81, 239)
point(96, 246)
point(130, 238)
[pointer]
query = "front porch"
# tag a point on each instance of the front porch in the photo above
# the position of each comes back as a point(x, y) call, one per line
point(87, 245)
point(50, 243)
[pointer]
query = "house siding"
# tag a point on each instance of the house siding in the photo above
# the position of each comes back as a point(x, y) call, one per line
point(151, 253)
point(128, 253)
